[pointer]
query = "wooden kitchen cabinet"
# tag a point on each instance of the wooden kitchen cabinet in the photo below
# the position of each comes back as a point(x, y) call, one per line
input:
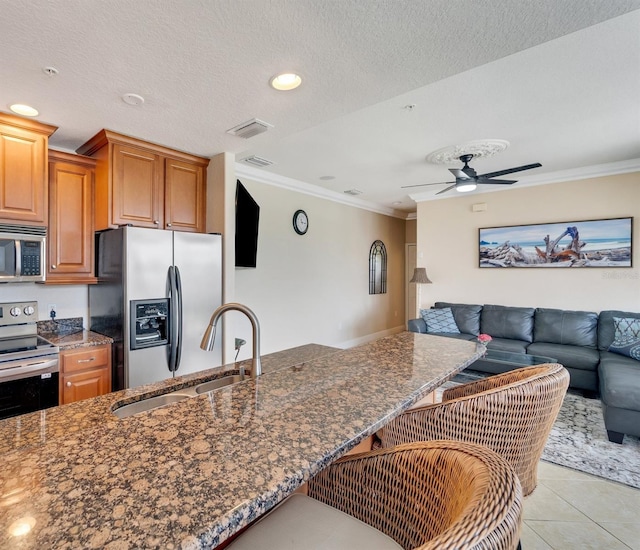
point(85, 373)
point(184, 193)
point(146, 185)
point(23, 170)
point(71, 244)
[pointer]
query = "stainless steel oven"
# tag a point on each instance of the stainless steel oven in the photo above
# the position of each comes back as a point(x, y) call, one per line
point(28, 363)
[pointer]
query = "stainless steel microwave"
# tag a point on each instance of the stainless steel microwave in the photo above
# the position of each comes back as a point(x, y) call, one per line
point(22, 253)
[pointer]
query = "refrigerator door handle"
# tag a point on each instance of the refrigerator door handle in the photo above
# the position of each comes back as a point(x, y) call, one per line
point(173, 324)
point(179, 317)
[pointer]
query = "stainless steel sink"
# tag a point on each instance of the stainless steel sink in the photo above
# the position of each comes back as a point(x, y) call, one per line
point(161, 400)
point(147, 404)
point(218, 383)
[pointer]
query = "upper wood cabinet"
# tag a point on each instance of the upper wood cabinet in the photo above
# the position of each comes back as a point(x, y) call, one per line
point(146, 185)
point(70, 245)
point(23, 170)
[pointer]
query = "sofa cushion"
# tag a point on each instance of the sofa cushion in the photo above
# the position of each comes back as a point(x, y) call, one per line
point(606, 328)
point(467, 316)
point(627, 337)
point(515, 323)
point(620, 382)
point(575, 357)
point(439, 320)
point(559, 326)
point(507, 344)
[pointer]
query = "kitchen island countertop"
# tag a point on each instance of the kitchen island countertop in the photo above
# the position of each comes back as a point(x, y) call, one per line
point(191, 474)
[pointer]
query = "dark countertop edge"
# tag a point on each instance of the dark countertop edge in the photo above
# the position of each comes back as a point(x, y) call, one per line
point(75, 339)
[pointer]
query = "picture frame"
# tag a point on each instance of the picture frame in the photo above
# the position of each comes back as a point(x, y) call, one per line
point(596, 243)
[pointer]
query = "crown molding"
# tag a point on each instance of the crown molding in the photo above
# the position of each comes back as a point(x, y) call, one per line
point(298, 186)
point(573, 174)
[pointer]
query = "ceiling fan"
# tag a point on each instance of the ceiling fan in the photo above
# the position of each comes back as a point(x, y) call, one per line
point(467, 179)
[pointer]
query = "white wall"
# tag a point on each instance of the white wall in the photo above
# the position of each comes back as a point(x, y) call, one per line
point(314, 288)
point(448, 241)
point(71, 300)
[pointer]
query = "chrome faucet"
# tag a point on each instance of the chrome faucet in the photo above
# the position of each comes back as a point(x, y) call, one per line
point(210, 334)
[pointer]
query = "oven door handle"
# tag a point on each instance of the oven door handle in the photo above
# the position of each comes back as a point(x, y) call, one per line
point(31, 369)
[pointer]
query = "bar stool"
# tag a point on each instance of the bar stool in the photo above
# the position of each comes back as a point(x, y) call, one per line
point(511, 413)
point(427, 495)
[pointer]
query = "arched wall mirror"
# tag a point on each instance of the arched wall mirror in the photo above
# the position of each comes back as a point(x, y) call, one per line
point(378, 268)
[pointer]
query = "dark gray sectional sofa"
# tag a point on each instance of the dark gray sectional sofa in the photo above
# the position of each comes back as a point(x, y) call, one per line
point(579, 340)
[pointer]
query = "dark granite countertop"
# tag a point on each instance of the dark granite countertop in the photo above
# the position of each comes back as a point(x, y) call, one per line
point(190, 474)
point(69, 334)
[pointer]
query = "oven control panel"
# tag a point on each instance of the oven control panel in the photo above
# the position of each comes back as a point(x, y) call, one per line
point(14, 313)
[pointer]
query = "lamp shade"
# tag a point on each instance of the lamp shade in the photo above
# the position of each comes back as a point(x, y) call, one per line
point(420, 276)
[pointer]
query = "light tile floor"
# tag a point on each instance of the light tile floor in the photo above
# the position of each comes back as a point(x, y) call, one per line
point(572, 510)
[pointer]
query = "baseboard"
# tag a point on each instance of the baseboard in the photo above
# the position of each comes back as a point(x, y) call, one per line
point(370, 337)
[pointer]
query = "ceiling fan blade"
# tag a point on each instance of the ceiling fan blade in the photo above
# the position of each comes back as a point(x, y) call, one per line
point(425, 184)
point(445, 190)
point(510, 170)
point(483, 179)
point(460, 173)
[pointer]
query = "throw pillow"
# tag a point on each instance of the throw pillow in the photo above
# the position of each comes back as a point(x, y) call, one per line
point(627, 337)
point(440, 320)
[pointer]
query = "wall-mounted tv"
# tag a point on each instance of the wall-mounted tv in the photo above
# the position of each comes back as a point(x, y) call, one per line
point(247, 216)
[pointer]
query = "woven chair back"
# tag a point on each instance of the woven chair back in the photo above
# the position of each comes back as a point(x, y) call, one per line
point(441, 495)
point(511, 413)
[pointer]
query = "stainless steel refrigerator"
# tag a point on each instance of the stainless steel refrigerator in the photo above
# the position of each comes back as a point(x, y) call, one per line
point(155, 295)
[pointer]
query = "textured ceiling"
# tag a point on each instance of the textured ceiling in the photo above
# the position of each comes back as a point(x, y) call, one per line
point(559, 79)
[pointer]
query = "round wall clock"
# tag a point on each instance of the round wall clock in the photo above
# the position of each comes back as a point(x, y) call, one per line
point(300, 222)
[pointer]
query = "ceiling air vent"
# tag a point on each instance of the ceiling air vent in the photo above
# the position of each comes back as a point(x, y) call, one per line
point(250, 128)
point(353, 192)
point(257, 161)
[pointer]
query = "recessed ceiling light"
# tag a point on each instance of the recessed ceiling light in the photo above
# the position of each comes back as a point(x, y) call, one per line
point(327, 178)
point(133, 99)
point(396, 203)
point(285, 81)
point(24, 110)
point(50, 71)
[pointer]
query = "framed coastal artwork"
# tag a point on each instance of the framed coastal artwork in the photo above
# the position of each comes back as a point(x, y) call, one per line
point(587, 243)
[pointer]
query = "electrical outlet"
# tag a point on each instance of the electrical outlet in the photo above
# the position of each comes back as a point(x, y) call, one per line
point(53, 310)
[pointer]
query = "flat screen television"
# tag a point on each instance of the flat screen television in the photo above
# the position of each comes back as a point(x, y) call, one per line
point(247, 216)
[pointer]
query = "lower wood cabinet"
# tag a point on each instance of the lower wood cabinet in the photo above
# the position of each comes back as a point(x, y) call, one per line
point(85, 373)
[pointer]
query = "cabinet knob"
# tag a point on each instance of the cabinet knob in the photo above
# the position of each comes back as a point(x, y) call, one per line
point(68, 384)
point(157, 222)
point(54, 266)
point(168, 225)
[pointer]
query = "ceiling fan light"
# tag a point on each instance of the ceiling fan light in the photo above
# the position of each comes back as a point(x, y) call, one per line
point(465, 187)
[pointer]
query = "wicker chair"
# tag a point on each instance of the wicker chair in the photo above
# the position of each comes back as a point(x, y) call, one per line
point(511, 413)
point(426, 495)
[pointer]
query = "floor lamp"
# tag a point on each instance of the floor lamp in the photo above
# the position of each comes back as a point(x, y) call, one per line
point(420, 278)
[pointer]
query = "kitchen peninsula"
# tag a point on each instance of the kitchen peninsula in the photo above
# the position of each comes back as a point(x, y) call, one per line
point(191, 474)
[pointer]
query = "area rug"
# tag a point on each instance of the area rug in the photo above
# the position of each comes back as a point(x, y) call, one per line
point(578, 440)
